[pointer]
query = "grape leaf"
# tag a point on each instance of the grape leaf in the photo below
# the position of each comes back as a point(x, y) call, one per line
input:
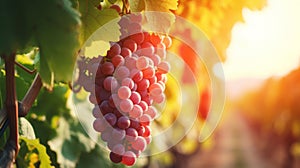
point(35, 144)
point(93, 19)
point(93, 158)
point(51, 25)
point(160, 19)
point(25, 128)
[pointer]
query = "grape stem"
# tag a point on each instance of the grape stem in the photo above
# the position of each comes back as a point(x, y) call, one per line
point(31, 95)
point(12, 145)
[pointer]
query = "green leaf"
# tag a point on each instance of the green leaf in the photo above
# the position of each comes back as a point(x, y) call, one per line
point(35, 144)
point(94, 158)
point(51, 25)
point(25, 128)
point(159, 18)
point(93, 21)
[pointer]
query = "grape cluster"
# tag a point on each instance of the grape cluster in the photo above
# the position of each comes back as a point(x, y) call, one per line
point(128, 80)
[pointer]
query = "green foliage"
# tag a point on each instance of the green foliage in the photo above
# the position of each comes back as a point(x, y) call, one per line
point(54, 30)
point(33, 145)
point(92, 20)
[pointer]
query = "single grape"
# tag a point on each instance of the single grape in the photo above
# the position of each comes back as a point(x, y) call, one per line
point(129, 158)
point(110, 83)
point(131, 44)
point(152, 112)
point(118, 134)
point(147, 49)
point(126, 105)
point(131, 134)
point(136, 111)
point(107, 68)
point(123, 122)
point(114, 50)
point(124, 92)
point(130, 62)
point(164, 67)
point(134, 123)
point(136, 75)
point(155, 89)
point(144, 105)
point(128, 82)
point(118, 60)
point(143, 85)
point(96, 112)
point(148, 72)
point(125, 52)
point(99, 125)
point(142, 63)
point(106, 135)
point(122, 72)
point(147, 132)
point(111, 118)
point(159, 98)
point(145, 119)
point(138, 37)
point(135, 97)
point(118, 149)
point(115, 157)
point(105, 107)
point(155, 39)
point(139, 144)
point(140, 130)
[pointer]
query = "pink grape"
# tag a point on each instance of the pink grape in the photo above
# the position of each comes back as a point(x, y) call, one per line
point(99, 125)
point(145, 119)
point(138, 37)
point(123, 122)
point(125, 52)
point(118, 134)
point(155, 89)
point(124, 92)
point(144, 105)
point(118, 60)
point(128, 82)
point(148, 72)
point(130, 62)
point(131, 134)
point(139, 144)
point(152, 112)
point(131, 44)
point(114, 50)
point(159, 98)
point(164, 67)
point(122, 72)
point(129, 158)
point(107, 68)
point(136, 75)
point(142, 63)
point(136, 111)
point(135, 97)
point(118, 149)
point(126, 105)
point(110, 118)
point(110, 83)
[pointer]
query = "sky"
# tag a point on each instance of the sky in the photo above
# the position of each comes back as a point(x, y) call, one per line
point(267, 44)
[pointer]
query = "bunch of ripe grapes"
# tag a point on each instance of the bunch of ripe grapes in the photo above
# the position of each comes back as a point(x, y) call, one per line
point(124, 85)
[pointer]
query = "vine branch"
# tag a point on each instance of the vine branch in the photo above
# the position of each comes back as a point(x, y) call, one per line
point(30, 96)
